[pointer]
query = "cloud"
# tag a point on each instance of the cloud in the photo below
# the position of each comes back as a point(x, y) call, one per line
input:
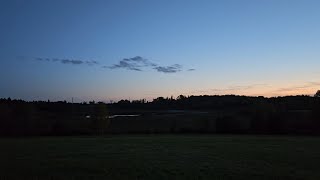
point(68, 61)
point(135, 63)
point(91, 63)
point(244, 87)
point(229, 89)
point(307, 85)
point(138, 63)
point(306, 88)
point(169, 69)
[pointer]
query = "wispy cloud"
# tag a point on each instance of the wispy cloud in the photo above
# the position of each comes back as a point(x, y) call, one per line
point(305, 86)
point(91, 63)
point(135, 63)
point(138, 63)
point(244, 87)
point(68, 61)
point(308, 88)
point(229, 89)
point(169, 69)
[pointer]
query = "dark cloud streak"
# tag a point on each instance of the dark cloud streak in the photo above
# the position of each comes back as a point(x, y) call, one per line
point(136, 63)
point(68, 61)
point(169, 69)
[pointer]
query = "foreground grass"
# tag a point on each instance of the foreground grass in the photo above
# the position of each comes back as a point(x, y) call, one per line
point(161, 157)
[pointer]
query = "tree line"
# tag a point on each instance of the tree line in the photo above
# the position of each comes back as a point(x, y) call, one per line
point(231, 114)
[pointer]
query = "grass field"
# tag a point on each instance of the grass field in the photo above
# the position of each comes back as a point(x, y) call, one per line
point(161, 157)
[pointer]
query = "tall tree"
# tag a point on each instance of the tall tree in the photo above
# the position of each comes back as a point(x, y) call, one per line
point(100, 119)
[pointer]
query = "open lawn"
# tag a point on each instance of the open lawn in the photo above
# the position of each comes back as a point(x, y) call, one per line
point(161, 157)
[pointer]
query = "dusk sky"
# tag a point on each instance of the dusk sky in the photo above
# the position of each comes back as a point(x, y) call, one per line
point(115, 49)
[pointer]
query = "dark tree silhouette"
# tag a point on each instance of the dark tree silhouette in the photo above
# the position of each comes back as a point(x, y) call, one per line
point(214, 114)
point(317, 94)
point(100, 120)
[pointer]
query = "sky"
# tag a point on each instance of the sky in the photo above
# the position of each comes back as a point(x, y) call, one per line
point(132, 49)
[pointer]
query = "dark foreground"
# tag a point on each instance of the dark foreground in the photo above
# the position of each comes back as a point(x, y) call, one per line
point(161, 157)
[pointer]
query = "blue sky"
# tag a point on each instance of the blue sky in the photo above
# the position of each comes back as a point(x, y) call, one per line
point(111, 50)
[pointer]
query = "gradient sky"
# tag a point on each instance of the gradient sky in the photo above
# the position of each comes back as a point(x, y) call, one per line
point(111, 50)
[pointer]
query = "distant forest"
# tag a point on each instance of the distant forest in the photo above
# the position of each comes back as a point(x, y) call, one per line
point(184, 114)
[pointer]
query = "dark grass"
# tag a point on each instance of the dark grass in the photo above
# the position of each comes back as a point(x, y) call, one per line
point(161, 157)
